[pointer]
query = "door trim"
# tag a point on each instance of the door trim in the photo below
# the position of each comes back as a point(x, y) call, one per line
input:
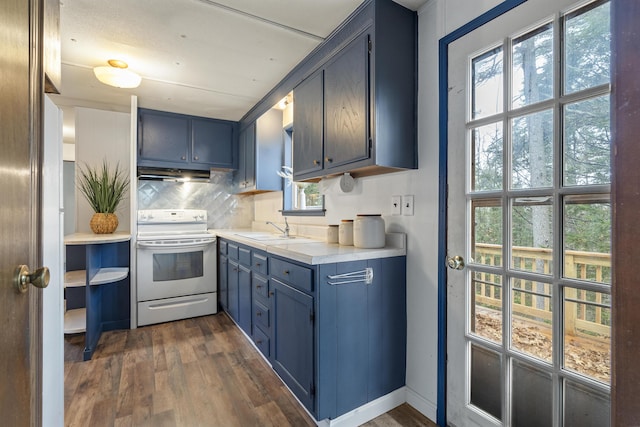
point(443, 93)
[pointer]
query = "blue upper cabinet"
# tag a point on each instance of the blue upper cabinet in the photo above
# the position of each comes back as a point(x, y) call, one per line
point(260, 154)
point(178, 141)
point(364, 93)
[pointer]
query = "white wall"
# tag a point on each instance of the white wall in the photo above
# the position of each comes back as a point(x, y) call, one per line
point(102, 135)
point(52, 250)
point(373, 195)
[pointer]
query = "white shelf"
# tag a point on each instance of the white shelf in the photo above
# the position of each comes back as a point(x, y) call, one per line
point(75, 278)
point(109, 275)
point(75, 321)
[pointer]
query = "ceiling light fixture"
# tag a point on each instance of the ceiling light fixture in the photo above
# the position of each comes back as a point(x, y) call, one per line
point(117, 75)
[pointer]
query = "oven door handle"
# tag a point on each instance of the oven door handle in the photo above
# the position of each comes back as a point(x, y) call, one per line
point(172, 245)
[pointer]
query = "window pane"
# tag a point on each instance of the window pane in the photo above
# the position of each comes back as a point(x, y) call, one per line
point(532, 394)
point(587, 142)
point(486, 380)
point(532, 234)
point(486, 319)
point(487, 232)
point(532, 78)
point(487, 84)
point(587, 48)
point(587, 238)
point(587, 333)
point(585, 407)
point(532, 152)
point(531, 330)
point(487, 157)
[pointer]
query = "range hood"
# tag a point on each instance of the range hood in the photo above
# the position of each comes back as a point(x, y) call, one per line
point(176, 175)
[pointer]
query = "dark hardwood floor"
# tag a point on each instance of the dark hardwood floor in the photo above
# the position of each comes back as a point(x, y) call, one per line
point(194, 372)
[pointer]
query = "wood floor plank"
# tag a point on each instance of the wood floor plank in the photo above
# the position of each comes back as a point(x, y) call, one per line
point(189, 373)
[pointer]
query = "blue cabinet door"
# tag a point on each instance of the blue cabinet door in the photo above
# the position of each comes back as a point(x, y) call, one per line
point(233, 271)
point(212, 143)
point(346, 103)
point(245, 175)
point(244, 299)
point(163, 137)
point(223, 282)
point(293, 338)
point(308, 125)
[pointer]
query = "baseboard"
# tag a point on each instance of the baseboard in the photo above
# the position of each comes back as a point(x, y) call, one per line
point(422, 405)
point(368, 411)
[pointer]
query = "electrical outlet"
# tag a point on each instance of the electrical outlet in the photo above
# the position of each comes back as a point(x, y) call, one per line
point(407, 205)
point(396, 205)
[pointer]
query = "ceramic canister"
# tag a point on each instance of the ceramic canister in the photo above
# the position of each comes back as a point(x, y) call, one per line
point(345, 232)
point(368, 231)
point(332, 233)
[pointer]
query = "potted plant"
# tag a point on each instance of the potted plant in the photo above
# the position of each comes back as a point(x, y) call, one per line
point(104, 189)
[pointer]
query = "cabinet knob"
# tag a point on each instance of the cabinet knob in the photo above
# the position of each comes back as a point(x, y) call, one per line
point(183, 158)
point(286, 272)
point(271, 293)
point(328, 159)
point(258, 313)
point(258, 341)
point(258, 264)
point(316, 162)
point(258, 286)
point(196, 158)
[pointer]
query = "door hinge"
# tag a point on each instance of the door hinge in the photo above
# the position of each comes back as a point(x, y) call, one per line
point(370, 46)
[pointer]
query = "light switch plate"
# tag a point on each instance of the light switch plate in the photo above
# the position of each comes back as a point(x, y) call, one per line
point(407, 205)
point(396, 205)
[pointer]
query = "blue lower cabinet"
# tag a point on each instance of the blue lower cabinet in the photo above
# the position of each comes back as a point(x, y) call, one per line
point(293, 341)
point(244, 299)
point(337, 344)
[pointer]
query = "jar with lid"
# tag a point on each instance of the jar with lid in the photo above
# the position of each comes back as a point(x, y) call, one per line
point(368, 231)
point(332, 233)
point(345, 232)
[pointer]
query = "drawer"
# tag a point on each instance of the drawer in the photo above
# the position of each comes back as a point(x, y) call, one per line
point(261, 340)
point(165, 310)
point(261, 286)
point(244, 256)
point(232, 250)
point(259, 262)
point(295, 275)
point(261, 316)
point(223, 247)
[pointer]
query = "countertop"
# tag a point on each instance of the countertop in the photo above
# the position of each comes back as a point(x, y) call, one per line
point(91, 238)
point(312, 251)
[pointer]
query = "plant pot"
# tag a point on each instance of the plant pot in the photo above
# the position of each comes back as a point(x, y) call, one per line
point(103, 223)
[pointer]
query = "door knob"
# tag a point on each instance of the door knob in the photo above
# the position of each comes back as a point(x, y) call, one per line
point(455, 263)
point(22, 278)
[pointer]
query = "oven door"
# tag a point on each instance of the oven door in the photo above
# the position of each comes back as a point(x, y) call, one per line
point(176, 267)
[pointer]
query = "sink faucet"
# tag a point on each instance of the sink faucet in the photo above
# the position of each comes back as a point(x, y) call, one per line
point(285, 232)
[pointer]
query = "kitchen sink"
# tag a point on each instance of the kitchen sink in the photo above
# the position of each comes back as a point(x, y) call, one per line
point(271, 237)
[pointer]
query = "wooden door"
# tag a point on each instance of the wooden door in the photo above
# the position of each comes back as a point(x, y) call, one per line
point(346, 97)
point(307, 125)
point(21, 85)
point(293, 341)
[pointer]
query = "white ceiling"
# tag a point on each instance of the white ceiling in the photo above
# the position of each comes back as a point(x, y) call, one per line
point(202, 57)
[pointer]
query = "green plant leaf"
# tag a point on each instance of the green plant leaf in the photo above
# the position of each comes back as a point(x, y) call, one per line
point(103, 188)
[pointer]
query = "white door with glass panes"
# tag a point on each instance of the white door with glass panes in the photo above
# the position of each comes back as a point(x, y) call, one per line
point(529, 219)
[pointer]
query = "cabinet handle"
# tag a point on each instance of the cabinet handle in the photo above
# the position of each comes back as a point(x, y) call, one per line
point(328, 159)
point(316, 162)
